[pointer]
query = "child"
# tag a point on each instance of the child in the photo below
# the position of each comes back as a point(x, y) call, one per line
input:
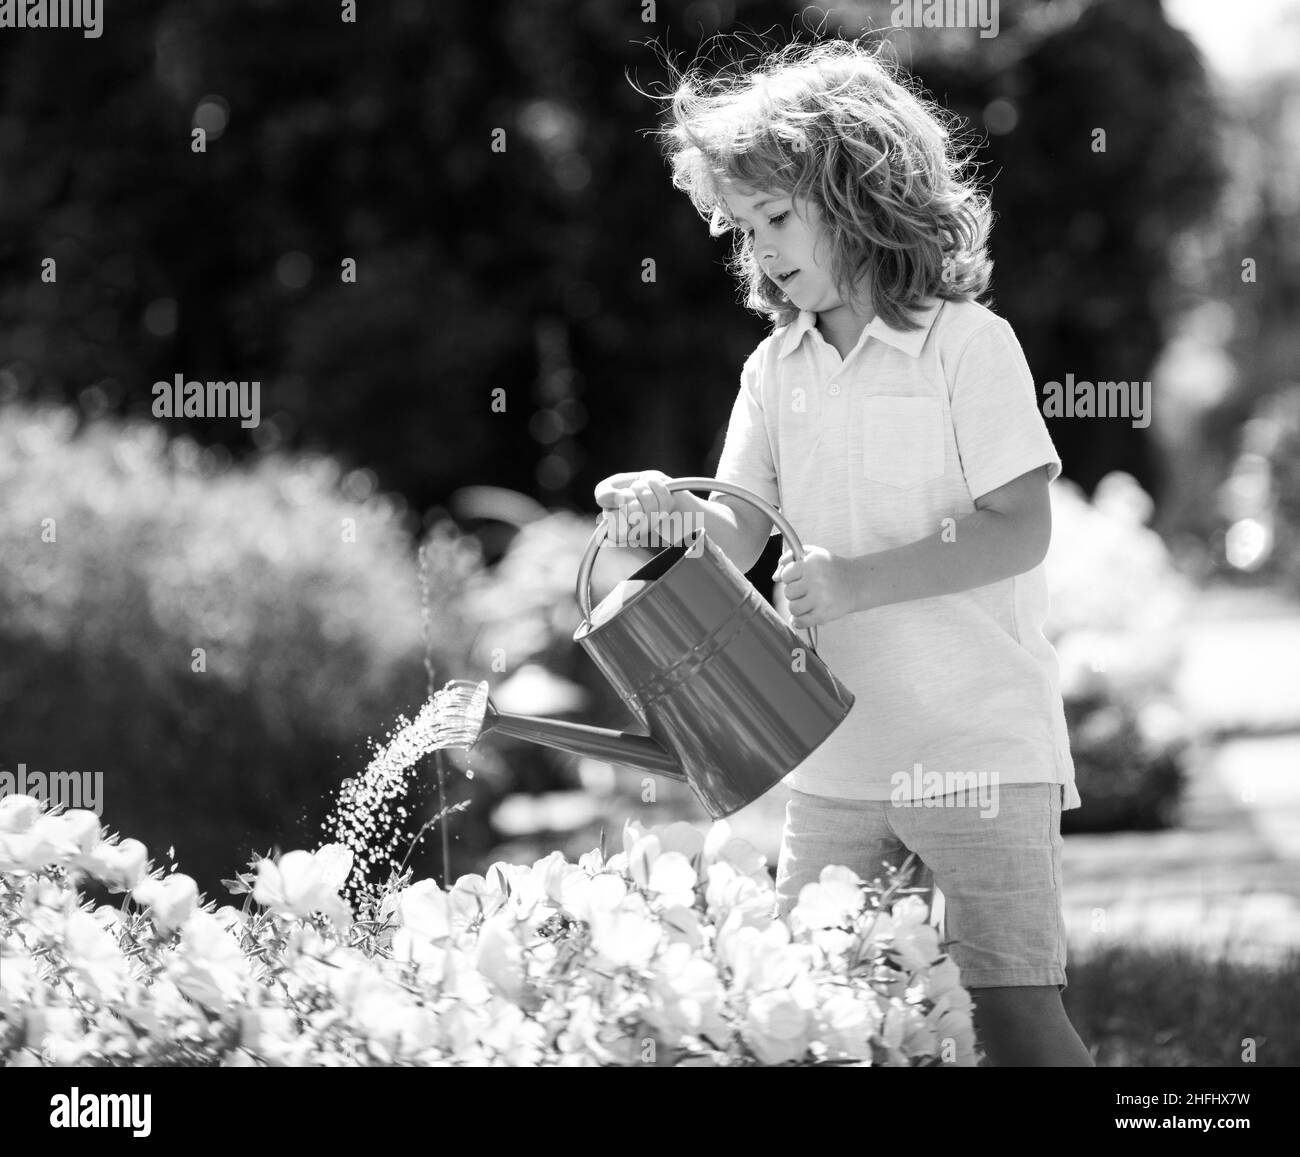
point(895, 423)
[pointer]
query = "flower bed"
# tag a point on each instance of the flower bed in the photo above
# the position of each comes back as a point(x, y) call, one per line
point(666, 953)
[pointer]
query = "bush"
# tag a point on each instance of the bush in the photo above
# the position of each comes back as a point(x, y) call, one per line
point(217, 641)
point(1115, 621)
point(1260, 499)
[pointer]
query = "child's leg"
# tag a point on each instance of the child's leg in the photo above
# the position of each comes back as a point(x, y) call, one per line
point(1026, 1026)
point(997, 861)
point(821, 831)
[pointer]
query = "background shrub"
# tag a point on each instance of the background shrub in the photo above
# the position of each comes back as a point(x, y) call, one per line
point(311, 643)
point(1118, 605)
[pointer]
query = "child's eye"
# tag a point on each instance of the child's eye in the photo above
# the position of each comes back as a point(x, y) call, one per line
point(779, 217)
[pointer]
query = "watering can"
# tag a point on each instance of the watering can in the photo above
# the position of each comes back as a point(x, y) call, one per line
point(729, 697)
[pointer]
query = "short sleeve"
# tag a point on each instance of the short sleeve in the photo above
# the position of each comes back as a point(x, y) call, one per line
point(999, 430)
point(747, 450)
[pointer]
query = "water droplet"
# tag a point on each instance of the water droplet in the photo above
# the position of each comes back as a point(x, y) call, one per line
point(452, 718)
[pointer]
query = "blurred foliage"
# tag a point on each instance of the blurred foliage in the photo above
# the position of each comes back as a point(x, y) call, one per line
point(522, 269)
point(1117, 609)
point(476, 270)
point(1164, 1007)
point(1259, 501)
point(1240, 274)
point(1280, 446)
point(121, 553)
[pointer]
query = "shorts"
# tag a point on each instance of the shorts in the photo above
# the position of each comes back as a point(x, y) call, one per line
point(998, 870)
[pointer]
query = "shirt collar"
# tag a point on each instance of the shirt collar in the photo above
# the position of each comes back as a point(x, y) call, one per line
point(909, 341)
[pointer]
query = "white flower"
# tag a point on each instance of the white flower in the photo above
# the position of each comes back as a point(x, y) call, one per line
point(641, 858)
point(682, 926)
point(29, 851)
point(553, 871)
point(230, 918)
point(18, 813)
point(385, 1015)
point(954, 1033)
point(915, 942)
point(943, 977)
point(209, 966)
point(55, 1032)
point(673, 879)
point(420, 950)
point(847, 1021)
point(298, 885)
point(499, 957)
point(422, 909)
point(120, 866)
point(587, 898)
point(335, 861)
point(687, 996)
point(918, 1034)
point(628, 936)
point(170, 901)
point(95, 954)
point(681, 837)
point(721, 847)
point(834, 901)
point(776, 1028)
point(471, 897)
point(78, 830)
point(20, 972)
point(515, 1040)
point(727, 890)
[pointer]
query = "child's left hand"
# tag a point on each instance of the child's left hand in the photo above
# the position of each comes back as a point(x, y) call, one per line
point(819, 589)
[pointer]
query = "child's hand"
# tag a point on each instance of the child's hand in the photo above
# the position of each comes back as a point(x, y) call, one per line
point(819, 589)
point(637, 498)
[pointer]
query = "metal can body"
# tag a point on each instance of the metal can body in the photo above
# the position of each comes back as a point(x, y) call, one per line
point(716, 676)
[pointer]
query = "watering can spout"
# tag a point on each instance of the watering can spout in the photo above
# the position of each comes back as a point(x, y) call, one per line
point(625, 747)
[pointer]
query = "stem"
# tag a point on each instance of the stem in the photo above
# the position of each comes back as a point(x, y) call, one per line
point(442, 811)
point(424, 827)
point(425, 625)
point(899, 880)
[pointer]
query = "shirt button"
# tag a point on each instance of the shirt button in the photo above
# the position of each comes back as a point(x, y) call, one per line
point(835, 390)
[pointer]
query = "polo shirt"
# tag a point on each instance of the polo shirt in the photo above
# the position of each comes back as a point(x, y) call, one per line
point(875, 451)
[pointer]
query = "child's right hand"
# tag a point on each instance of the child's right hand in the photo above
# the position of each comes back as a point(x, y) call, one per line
point(636, 497)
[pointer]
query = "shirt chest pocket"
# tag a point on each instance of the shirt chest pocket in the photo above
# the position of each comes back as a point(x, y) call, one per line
point(902, 440)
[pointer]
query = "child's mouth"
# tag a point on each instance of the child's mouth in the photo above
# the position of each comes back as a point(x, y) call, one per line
point(787, 278)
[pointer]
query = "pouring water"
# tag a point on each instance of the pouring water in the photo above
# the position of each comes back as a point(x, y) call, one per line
point(366, 818)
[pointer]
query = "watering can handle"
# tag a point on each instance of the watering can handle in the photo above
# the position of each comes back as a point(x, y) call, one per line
point(782, 524)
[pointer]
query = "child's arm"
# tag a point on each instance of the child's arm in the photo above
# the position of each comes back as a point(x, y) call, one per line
point(1008, 534)
point(738, 528)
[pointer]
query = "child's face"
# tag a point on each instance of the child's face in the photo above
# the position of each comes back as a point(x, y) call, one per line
point(788, 239)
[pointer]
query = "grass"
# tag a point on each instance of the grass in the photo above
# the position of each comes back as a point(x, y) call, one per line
point(1172, 1008)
